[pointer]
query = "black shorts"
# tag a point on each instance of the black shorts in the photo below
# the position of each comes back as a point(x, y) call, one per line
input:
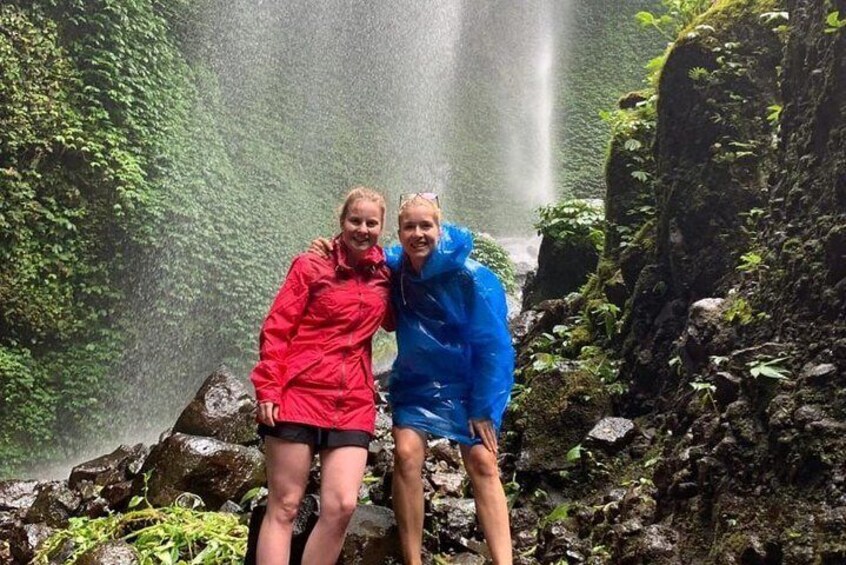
point(318, 438)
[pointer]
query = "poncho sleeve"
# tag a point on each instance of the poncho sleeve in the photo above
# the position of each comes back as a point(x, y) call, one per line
point(491, 350)
point(278, 329)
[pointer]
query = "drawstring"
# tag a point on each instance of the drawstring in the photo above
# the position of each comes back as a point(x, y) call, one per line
point(402, 287)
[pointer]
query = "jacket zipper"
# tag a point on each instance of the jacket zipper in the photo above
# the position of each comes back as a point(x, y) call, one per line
point(344, 357)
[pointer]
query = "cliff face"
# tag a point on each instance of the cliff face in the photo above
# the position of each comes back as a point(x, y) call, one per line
point(732, 342)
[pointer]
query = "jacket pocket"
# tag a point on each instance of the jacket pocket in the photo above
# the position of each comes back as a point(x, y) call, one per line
point(300, 365)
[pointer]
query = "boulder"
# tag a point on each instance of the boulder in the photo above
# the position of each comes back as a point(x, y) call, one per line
point(121, 464)
point(654, 544)
point(25, 539)
point(522, 324)
point(372, 537)
point(706, 182)
point(565, 405)
point(117, 494)
point(18, 495)
point(222, 409)
point(54, 505)
point(563, 267)
point(212, 469)
point(704, 324)
point(448, 483)
point(611, 433)
point(456, 519)
point(563, 545)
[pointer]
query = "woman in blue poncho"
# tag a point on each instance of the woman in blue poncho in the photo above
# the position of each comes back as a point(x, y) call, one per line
point(454, 368)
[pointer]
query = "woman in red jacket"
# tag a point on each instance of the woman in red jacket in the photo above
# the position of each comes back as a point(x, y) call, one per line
point(314, 382)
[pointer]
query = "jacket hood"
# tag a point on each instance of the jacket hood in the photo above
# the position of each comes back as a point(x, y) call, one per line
point(452, 250)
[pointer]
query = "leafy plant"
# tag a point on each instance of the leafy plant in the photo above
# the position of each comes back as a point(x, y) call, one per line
point(574, 454)
point(739, 311)
point(706, 390)
point(491, 254)
point(834, 23)
point(607, 314)
point(160, 535)
point(770, 368)
point(751, 262)
point(677, 15)
point(577, 221)
point(558, 514)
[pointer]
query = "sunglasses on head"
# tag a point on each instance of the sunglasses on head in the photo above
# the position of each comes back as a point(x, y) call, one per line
point(429, 196)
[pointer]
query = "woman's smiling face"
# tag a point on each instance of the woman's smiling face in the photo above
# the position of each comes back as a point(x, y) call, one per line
point(361, 226)
point(419, 232)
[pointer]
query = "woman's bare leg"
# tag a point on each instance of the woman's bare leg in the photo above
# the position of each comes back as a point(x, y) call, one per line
point(409, 452)
point(341, 471)
point(491, 506)
point(288, 464)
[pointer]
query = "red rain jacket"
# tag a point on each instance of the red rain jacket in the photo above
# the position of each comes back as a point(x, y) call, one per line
point(315, 356)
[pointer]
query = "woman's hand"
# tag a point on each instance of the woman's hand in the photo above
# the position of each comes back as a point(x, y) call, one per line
point(321, 246)
point(267, 413)
point(484, 430)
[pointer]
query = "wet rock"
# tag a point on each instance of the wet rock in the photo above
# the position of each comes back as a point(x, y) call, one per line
point(477, 547)
point(704, 323)
point(230, 507)
point(565, 405)
point(728, 388)
point(522, 324)
point(466, 558)
point(805, 415)
point(611, 433)
point(441, 450)
point(456, 518)
point(222, 409)
point(94, 508)
point(54, 504)
point(214, 470)
point(448, 483)
point(372, 537)
point(18, 495)
point(563, 267)
point(819, 374)
point(563, 545)
point(657, 544)
point(119, 465)
point(25, 539)
point(110, 553)
point(615, 290)
point(118, 494)
point(524, 528)
point(833, 519)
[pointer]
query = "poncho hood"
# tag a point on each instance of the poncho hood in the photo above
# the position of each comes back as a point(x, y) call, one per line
point(451, 252)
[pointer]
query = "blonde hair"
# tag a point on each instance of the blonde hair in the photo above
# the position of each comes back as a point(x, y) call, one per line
point(418, 200)
point(362, 193)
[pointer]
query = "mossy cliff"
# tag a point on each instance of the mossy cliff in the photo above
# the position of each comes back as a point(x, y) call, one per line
point(726, 246)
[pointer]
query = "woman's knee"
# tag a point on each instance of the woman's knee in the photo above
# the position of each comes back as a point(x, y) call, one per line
point(481, 464)
point(338, 510)
point(283, 509)
point(408, 458)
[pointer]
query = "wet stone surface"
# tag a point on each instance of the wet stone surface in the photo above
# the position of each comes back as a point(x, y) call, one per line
point(612, 432)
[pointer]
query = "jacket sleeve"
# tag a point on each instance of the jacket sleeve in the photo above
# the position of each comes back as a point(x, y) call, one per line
point(491, 349)
point(278, 329)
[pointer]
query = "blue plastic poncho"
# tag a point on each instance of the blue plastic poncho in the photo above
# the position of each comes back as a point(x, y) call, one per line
point(455, 360)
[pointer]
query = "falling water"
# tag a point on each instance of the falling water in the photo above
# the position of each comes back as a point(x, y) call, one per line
point(302, 99)
point(445, 95)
